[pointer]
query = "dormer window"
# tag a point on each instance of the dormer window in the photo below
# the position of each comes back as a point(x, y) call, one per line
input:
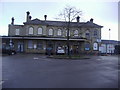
point(30, 30)
point(40, 30)
point(50, 32)
point(59, 33)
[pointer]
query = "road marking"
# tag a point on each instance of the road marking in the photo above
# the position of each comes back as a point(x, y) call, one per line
point(99, 59)
point(36, 58)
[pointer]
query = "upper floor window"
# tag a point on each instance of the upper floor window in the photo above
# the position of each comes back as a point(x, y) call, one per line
point(76, 33)
point(87, 34)
point(95, 33)
point(30, 30)
point(59, 32)
point(50, 32)
point(17, 32)
point(40, 30)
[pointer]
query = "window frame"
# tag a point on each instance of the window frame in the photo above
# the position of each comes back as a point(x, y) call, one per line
point(29, 32)
point(40, 28)
point(59, 31)
point(75, 34)
point(50, 34)
point(17, 31)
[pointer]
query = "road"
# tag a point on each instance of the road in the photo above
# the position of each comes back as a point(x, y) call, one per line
point(38, 71)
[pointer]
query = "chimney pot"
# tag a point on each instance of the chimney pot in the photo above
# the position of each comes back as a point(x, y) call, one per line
point(30, 17)
point(91, 20)
point(12, 21)
point(45, 16)
point(78, 19)
point(28, 12)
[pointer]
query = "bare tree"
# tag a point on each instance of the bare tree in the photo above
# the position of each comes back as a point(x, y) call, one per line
point(69, 14)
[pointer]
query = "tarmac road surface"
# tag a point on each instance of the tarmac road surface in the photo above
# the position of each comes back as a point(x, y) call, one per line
point(38, 71)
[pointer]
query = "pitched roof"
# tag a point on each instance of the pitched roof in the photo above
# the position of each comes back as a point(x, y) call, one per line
point(62, 23)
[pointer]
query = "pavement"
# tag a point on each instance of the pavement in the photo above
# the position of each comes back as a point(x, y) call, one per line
point(38, 71)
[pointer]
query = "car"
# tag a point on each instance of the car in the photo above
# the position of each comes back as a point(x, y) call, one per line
point(8, 50)
point(60, 51)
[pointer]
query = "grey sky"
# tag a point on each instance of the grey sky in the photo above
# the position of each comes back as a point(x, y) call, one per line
point(103, 13)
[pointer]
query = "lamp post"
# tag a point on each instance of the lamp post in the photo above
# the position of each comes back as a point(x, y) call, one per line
point(109, 42)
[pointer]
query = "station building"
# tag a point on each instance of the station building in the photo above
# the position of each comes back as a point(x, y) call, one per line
point(36, 36)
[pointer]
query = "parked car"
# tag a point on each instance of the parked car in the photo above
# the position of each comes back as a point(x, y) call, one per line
point(60, 51)
point(8, 50)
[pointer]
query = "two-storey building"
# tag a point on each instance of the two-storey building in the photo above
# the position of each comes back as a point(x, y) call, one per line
point(36, 36)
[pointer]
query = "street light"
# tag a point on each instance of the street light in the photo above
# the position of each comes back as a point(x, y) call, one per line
point(109, 41)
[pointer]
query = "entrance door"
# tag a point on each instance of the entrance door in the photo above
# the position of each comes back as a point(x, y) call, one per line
point(75, 49)
point(20, 47)
point(49, 48)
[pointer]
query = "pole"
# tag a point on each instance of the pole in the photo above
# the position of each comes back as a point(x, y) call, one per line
point(68, 38)
point(109, 42)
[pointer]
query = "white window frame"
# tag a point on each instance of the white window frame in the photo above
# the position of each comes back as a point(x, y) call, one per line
point(17, 31)
point(40, 31)
point(76, 33)
point(30, 31)
point(50, 32)
point(59, 33)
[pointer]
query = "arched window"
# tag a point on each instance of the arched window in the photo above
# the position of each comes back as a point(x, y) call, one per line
point(95, 33)
point(76, 33)
point(59, 33)
point(95, 46)
point(40, 30)
point(50, 32)
point(30, 30)
point(87, 34)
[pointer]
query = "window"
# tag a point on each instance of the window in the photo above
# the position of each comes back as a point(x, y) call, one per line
point(40, 30)
point(30, 44)
point(95, 46)
point(17, 32)
point(59, 32)
point(40, 45)
point(50, 32)
point(87, 46)
point(87, 34)
point(76, 33)
point(30, 30)
point(95, 33)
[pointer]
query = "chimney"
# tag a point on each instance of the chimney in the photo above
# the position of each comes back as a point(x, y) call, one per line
point(78, 19)
point(12, 21)
point(91, 20)
point(45, 16)
point(30, 17)
point(28, 13)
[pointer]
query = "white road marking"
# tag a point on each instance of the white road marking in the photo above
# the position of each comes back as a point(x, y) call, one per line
point(36, 58)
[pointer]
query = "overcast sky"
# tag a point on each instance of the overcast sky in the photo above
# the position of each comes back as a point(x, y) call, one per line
point(103, 13)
